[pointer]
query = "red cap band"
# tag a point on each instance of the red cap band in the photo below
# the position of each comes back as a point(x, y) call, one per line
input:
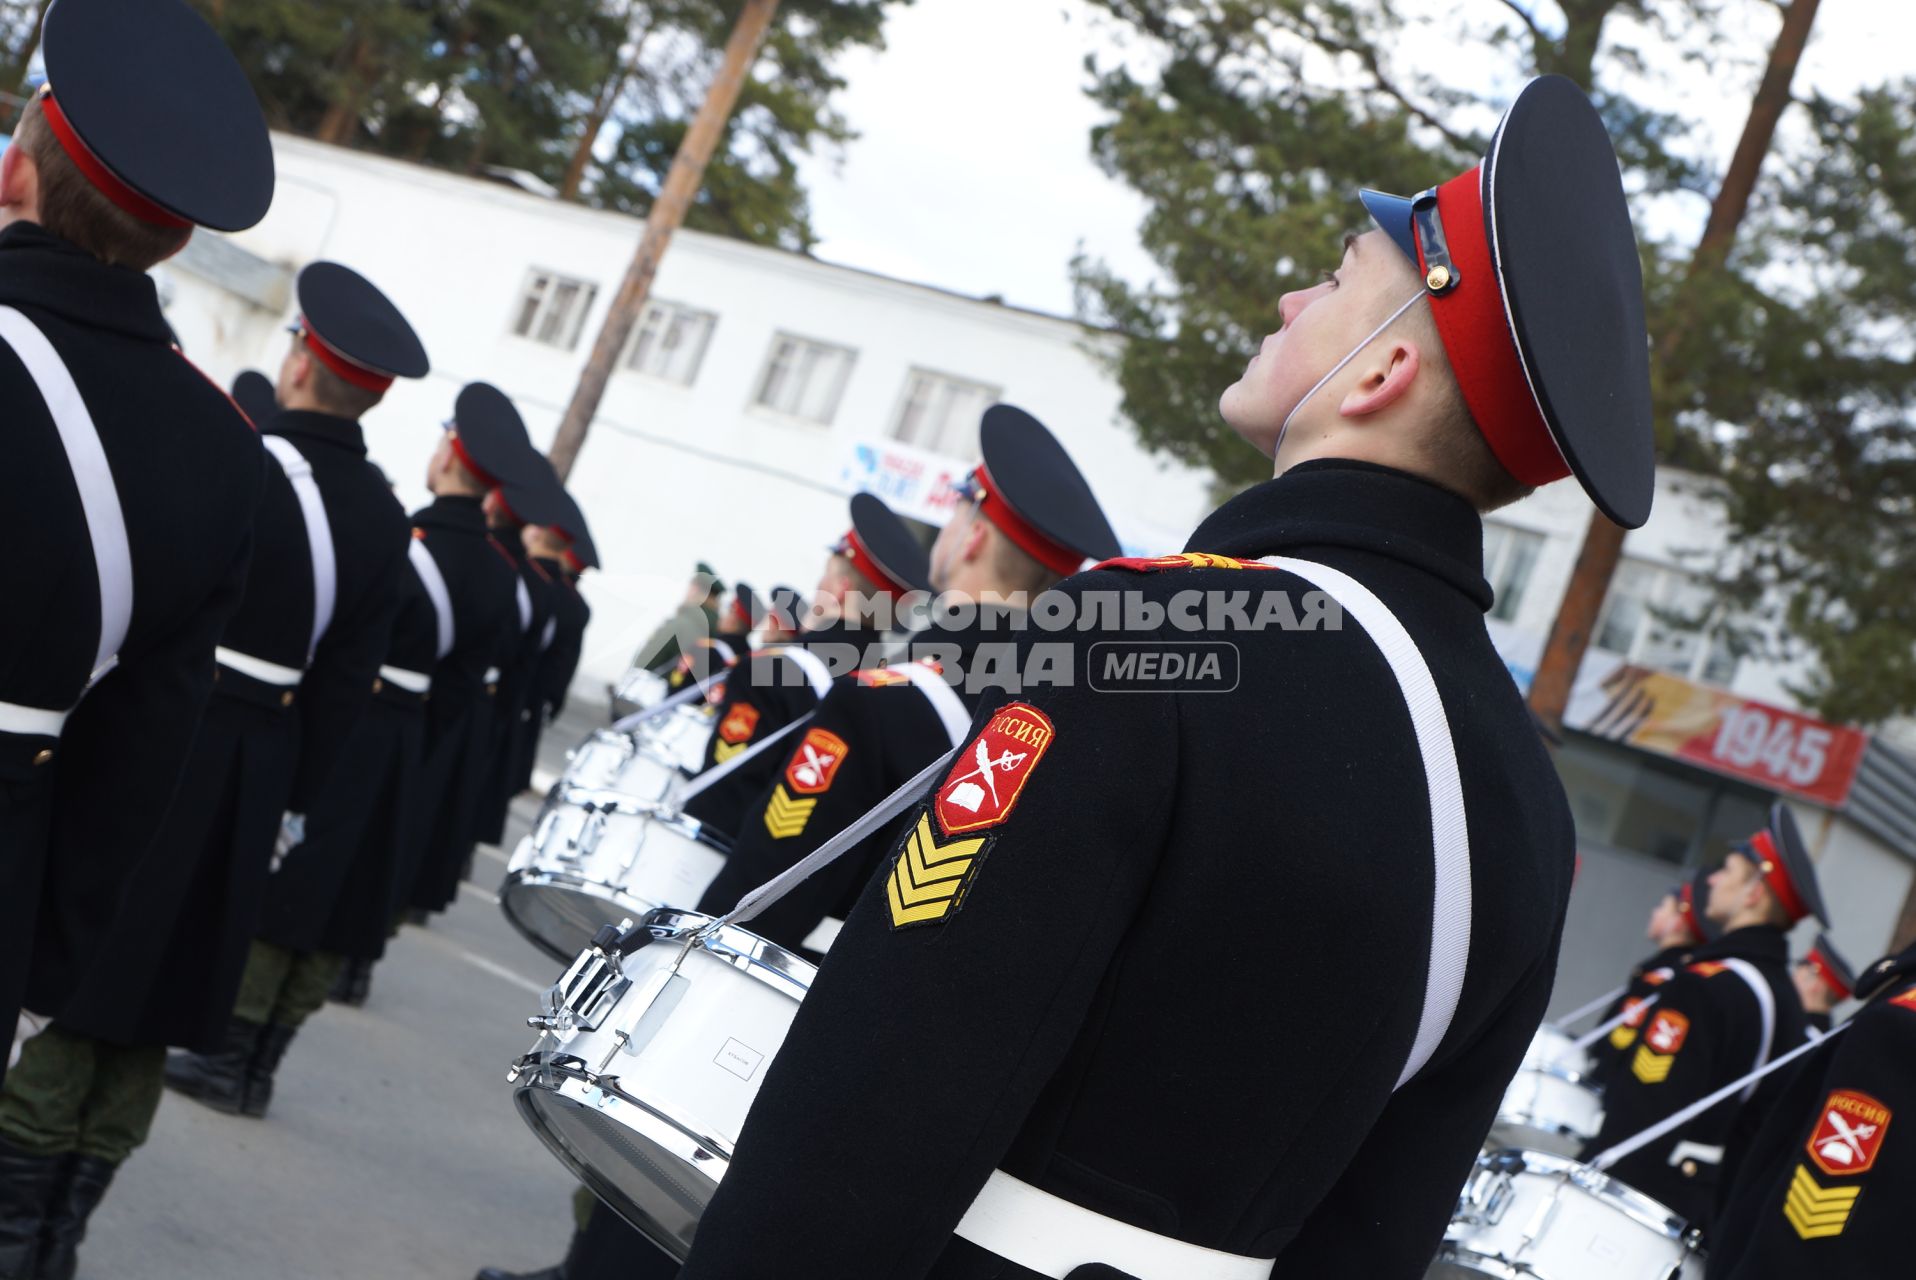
point(861, 559)
point(572, 561)
point(1819, 962)
point(1777, 875)
point(1054, 556)
point(103, 179)
point(358, 375)
point(1686, 901)
point(477, 470)
point(1483, 354)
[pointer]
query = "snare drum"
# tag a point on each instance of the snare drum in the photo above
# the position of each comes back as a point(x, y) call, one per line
point(638, 689)
point(679, 736)
point(595, 763)
point(597, 857)
point(1531, 1215)
point(651, 1050)
point(1547, 1108)
point(1552, 1046)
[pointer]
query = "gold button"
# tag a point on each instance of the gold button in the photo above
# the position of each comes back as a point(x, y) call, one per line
point(1689, 1168)
point(378, 684)
point(1438, 277)
point(286, 699)
point(491, 689)
point(43, 755)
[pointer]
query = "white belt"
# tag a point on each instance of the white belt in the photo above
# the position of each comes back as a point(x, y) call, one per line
point(258, 668)
point(34, 722)
point(410, 681)
point(492, 676)
point(1050, 1235)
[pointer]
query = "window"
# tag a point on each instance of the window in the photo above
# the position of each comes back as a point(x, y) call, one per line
point(803, 378)
point(1509, 556)
point(1664, 618)
point(553, 308)
point(941, 414)
point(669, 342)
point(1663, 809)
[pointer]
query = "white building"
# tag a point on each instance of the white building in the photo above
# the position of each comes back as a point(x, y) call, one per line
point(763, 387)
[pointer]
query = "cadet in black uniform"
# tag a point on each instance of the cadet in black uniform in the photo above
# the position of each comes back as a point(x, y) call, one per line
point(1823, 980)
point(1677, 926)
point(1828, 1183)
point(877, 558)
point(253, 393)
point(1234, 981)
point(513, 704)
point(1026, 518)
point(479, 636)
point(130, 483)
point(295, 669)
point(1726, 1013)
point(555, 538)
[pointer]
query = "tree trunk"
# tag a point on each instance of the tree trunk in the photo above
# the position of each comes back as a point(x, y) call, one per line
point(668, 212)
point(1602, 547)
point(342, 116)
point(596, 118)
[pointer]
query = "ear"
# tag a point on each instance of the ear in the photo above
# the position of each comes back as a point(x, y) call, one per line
point(976, 539)
point(302, 370)
point(1385, 382)
point(19, 179)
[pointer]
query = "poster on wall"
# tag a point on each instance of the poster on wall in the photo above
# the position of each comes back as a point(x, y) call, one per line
point(1715, 729)
point(916, 484)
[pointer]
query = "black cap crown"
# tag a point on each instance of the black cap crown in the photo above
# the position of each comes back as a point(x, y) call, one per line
point(360, 334)
point(1053, 516)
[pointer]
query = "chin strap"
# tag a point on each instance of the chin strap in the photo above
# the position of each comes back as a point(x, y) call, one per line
point(1339, 366)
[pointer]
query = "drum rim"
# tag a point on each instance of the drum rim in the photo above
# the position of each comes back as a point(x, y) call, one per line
point(531, 878)
point(553, 1071)
point(1633, 1204)
point(763, 959)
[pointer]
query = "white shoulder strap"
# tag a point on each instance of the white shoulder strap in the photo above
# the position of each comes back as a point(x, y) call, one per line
point(525, 605)
point(950, 709)
point(817, 674)
point(552, 629)
point(1766, 1005)
point(319, 532)
point(434, 581)
point(92, 476)
point(1450, 834)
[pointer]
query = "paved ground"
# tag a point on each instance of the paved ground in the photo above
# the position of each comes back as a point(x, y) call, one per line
point(393, 1151)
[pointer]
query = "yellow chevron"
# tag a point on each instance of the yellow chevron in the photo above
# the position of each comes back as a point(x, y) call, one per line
point(1817, 1213)
point(1651, 1068)
point(723, 751)
point(1623, 1037)
point(786, 814)
point(928, 878)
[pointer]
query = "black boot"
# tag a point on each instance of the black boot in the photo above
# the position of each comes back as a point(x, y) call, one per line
point(66, 1223)
point(217, 1079)
point(258, 1094)
point(29, 1185)
point(354, 984)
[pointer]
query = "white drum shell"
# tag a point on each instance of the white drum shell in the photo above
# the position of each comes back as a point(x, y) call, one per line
point(1553, 1047)
point(596, 858)
point(1547, 1110)
point(1560, 1220)
point(647, 1105)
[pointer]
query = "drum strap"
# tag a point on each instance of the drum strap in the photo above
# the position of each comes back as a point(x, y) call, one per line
point(1629, 1146)
point(1766, 1003)
point(1608, 1025)
point(816, 673)
point(524, 598)
point(1449, 831)
point(834, 848)
point(950, 708)
point(434, 581)
point(552, 629)
point(718, 773)
point(99, 504)
point(1585, 1010)
point(319, 533)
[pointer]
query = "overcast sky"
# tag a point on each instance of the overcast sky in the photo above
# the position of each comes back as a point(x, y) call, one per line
point(973, 168)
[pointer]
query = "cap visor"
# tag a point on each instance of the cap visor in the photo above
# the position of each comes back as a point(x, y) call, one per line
point(1392, 216)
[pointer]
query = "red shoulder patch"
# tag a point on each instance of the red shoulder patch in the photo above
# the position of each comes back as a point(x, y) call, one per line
point(739, 723)
point(1183, 560)
point(816, 762)
point(1668, 1030)
point(1708, 968)
point(988, 776)
point(1849, 1133)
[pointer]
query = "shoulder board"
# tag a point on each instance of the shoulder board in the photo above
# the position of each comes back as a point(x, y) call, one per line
point(1184, 560)
point(1708, 968)
point(1907, 1000)
point(886, 677)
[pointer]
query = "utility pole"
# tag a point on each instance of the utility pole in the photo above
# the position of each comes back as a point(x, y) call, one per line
point(682, 183)
point(1602, 548)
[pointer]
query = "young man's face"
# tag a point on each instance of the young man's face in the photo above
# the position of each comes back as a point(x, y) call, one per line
point(1730, 887)
point(1668, 927)
point(1815, 993)
point(1319, 326)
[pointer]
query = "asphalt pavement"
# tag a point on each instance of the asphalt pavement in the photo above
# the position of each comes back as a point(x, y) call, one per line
point(393, 1151)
